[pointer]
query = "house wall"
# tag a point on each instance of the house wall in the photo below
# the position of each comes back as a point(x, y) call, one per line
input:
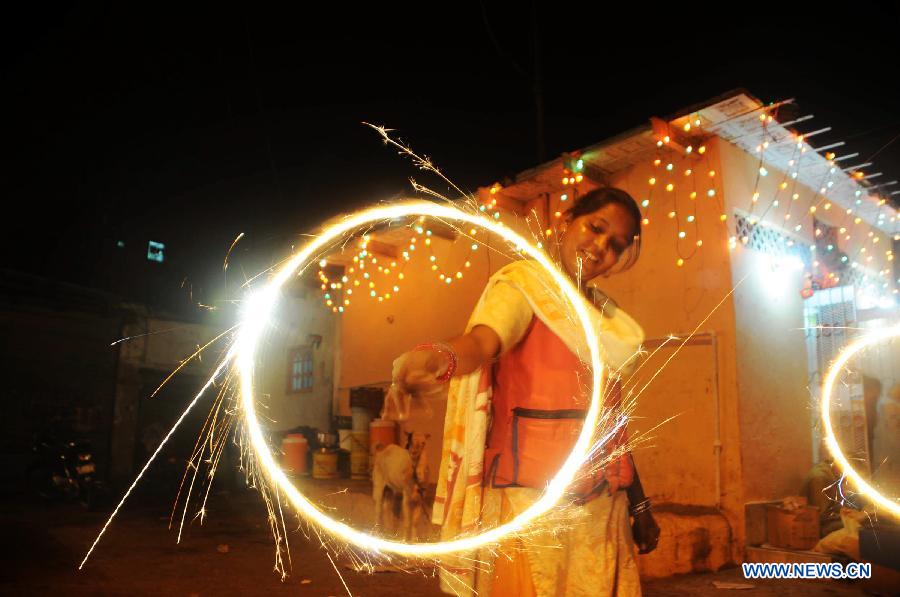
point(774, 408)
point(299, 314)
point(776, 405)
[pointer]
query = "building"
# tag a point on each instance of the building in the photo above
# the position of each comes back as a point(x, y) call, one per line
point(82, 364)
point(759, 251)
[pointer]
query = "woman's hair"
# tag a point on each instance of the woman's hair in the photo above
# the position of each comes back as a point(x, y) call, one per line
point(598, 198)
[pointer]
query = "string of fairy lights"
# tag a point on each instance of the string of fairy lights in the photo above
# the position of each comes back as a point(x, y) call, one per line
point(369, 278)
point(682, 177)
point(689, 173)
point(669, 161)
point(338, 293)
point(821, 200)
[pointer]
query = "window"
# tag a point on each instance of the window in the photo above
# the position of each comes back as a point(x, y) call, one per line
point(300, 367)
point(155, 251)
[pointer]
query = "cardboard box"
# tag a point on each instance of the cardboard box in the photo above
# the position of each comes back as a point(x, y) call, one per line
point(796, 528)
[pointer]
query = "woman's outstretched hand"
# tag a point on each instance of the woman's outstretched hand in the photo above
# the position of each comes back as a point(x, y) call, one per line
point(426, 370)
point(645, 532)
point(416, 373)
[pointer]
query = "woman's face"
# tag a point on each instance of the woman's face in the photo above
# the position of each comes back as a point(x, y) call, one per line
point(597, 240)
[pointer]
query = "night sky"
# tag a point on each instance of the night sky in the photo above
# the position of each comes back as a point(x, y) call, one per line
point(191, 125)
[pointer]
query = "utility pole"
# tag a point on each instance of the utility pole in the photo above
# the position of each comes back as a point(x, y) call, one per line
point(537, 85)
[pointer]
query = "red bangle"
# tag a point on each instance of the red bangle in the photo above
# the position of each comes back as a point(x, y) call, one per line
point(441, 348)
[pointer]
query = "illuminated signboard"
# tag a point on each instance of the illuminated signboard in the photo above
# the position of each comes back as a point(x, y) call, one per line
point(155, 251)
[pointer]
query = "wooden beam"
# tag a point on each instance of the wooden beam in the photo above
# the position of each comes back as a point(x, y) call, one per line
point(661, 129)
point(376, 246)
point(440, 229)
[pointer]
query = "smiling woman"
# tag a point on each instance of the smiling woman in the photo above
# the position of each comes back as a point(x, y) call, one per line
point(603, 225)
point(521, 359)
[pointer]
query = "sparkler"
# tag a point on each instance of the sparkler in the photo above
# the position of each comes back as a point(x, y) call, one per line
point(262, 468)
point(892, 506)
point(255, 319)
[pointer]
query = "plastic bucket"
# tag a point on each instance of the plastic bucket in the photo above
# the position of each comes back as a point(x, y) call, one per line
point(381, 433)
point(325, 465)
point(294, 448)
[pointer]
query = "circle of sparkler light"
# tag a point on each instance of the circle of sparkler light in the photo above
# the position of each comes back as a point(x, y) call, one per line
point(255, 317)
point(892, 506)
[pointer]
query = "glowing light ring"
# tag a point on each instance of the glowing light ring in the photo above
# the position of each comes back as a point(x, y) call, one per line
point(255, 318)
point(861, 484)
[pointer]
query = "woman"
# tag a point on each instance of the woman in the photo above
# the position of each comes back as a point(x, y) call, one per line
point(492, 471)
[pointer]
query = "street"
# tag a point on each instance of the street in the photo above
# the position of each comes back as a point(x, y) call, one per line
point(232, 553)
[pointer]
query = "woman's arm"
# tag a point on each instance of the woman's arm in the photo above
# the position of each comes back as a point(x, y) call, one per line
point(420, 370)
point(635, 491)
point(644, 529)
point(500, 321)
point(477, 348)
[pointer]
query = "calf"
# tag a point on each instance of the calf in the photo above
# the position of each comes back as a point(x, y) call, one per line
point(404, 472)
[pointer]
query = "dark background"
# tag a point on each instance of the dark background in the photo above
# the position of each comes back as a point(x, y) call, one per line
point(190, 124)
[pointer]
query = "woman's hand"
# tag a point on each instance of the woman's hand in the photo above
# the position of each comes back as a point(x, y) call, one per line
point(645, 532)
point(416, 373)
point(426, 370)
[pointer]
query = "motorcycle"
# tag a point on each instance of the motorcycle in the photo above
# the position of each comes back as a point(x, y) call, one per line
point(64, 470)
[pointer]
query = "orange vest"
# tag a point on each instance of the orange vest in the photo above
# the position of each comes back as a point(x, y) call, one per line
point(539, 407)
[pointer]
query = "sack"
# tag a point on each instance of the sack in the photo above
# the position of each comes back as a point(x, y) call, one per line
point(846, 540)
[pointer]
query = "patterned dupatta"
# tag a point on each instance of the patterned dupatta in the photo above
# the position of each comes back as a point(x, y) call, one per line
point(458, 502)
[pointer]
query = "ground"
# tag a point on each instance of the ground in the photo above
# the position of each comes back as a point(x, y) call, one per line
point(232, 554)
